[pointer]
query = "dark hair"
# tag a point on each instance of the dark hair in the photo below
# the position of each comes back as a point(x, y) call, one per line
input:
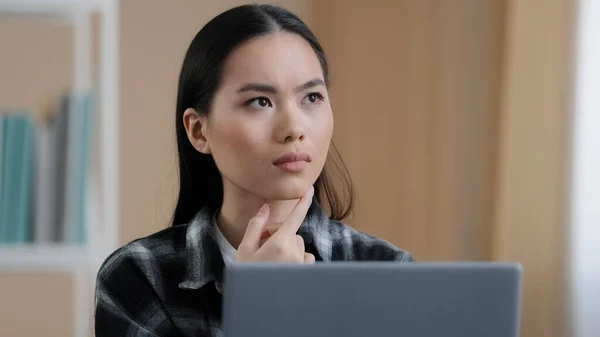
point(200, 182)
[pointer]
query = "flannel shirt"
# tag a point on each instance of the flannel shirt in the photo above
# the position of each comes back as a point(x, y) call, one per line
point(170, 283)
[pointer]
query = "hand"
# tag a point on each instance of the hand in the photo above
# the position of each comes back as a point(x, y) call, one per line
point(284, 245)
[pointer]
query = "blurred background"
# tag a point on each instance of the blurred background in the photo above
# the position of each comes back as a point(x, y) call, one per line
point(470, 128)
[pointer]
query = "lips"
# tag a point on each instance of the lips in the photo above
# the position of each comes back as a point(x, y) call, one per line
point(294, 162)
point(293, 157)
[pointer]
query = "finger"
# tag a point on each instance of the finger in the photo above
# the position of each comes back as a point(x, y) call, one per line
point(265, 234)
point(264, 237)
point(273, 227)
point(309, 258)
point(294, 220)
point(262, 242)
point(300, 244)
point(255, 228)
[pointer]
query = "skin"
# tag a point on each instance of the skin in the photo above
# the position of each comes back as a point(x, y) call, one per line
point(272, 101)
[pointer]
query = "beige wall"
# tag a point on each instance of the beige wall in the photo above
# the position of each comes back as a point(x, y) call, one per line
point(415, 92)
point(532, 194)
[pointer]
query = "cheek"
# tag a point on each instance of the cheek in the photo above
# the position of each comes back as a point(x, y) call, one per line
point(321, 133)
point(323, 130)
point(229, 136)
point(234, 142)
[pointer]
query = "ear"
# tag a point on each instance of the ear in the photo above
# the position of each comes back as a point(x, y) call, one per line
point(195, 127)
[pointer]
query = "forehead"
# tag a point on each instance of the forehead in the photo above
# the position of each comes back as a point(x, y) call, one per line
point(282, 59)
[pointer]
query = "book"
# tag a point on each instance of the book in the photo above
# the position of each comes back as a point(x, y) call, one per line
point(6, 220)
point(84, 172)
point(1, 148)
point(73, 145)
point(45, 225)
point(61, 127)
point(23, 206)
point(16, 178)
point(78, 147)
point(3, 153)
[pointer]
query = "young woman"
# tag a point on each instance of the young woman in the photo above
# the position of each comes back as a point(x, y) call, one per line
point(254, 127)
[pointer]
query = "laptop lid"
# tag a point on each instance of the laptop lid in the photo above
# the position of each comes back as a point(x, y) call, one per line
point(380, 299)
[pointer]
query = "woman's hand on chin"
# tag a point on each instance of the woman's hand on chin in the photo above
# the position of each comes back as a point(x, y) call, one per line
point(282, 246)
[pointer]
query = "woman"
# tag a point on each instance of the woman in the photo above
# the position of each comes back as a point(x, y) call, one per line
point(254, 126)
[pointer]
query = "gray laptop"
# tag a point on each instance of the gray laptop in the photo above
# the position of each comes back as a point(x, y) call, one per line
point(378, 299)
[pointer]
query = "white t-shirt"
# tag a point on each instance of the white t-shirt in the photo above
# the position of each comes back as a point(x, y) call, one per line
point(229, 253)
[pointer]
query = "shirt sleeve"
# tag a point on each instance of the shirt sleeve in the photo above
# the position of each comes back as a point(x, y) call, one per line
point(126, 303)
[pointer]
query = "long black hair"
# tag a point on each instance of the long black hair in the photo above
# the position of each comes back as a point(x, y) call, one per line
point(200, 182)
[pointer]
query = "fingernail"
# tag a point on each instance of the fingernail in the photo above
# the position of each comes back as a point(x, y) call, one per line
point(263, 210)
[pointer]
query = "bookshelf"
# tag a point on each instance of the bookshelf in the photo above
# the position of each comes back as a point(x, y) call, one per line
point(81, 260)
point(59, 257)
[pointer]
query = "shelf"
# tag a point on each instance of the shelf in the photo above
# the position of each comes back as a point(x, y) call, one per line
point(46, 6)
point(43, 257)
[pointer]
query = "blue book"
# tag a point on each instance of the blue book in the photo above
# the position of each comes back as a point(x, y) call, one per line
point(10, 177)
point(1, 149)
point(24, 222)
point(79, 144)
point(3, 184)
point(84, 164)
point(17, 179)
point(6, 214)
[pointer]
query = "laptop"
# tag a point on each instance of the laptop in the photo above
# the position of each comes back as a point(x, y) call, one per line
point(379, 299)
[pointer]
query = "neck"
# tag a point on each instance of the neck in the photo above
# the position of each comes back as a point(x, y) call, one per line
point(239, 206)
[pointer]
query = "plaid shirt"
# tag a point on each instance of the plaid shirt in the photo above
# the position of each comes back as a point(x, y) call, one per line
point(170, 283)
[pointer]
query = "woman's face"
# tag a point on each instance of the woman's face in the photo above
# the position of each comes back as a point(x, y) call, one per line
point(270, 123)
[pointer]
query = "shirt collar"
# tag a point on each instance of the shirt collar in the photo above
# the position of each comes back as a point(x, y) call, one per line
point(204, 262)
point(228, 252)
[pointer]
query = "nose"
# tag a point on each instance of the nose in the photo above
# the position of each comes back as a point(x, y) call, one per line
point(290, 127)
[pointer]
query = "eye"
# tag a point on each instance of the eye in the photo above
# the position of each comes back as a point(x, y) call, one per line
point(259, 103)
point(312, 98)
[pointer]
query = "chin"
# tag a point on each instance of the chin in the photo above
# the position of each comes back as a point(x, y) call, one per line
point(288, 190)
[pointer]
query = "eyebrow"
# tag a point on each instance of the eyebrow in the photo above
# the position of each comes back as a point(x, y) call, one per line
point(273, 90)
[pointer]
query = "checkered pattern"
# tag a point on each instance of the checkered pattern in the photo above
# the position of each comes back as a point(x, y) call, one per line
point(170, 283)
